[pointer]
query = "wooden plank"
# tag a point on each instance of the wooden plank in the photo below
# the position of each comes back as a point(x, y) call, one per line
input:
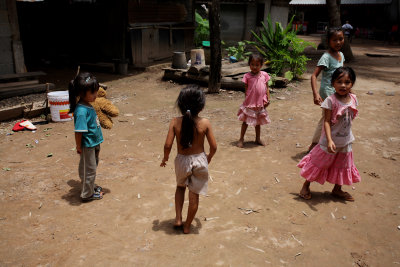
point(13, 84)
point(36, 109)
point(23, 90)
point(11, 113)
point(227, 65)
point(22, 75)
point(235, 71)
point(18, 53)
point(32, 110)
point(226, 82)
point(19, 62)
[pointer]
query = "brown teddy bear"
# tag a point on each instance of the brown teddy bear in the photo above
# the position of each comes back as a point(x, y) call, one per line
point(104, 108)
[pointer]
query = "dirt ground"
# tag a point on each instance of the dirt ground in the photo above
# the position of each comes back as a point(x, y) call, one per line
point(43, 222)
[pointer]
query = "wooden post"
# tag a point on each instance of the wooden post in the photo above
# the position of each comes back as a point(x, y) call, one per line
point(18, 53)
point(214, 83)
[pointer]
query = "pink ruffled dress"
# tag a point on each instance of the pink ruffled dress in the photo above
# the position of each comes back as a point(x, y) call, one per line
point(336, 168)
point(252, 110)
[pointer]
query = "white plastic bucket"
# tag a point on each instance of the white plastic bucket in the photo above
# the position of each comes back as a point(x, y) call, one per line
point(59, 105)
point(197, 57)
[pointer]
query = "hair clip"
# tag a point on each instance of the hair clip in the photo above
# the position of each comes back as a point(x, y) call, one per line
point(188, 112)
point(87, 79)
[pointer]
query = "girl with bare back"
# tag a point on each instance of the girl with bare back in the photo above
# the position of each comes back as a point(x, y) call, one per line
point(191, 163)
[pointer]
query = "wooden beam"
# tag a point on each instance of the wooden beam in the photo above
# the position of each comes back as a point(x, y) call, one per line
point(13, 76)
point(14, 84)
point(23, 90)
point(11, 113)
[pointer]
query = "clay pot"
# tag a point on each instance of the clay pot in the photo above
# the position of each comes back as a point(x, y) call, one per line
point(179, 60)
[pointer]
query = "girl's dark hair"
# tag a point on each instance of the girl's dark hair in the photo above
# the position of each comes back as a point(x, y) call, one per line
point(344, 70)
point(332, 32)
point(256, 57)
point(82, 83)
point(191, 101)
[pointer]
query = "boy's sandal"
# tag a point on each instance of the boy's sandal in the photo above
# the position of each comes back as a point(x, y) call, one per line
point(98, 189)
point(95, 196)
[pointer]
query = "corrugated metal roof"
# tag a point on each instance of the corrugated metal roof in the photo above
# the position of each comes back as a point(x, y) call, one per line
point(343, 2)
point(227, 1)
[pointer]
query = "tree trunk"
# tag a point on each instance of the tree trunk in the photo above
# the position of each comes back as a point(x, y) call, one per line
point(335, 21)
point(334, 13)
point(346, 50)
point(214, 83)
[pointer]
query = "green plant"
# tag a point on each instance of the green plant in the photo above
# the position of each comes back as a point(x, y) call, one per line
point(289, 75)
point(202, 31)
point(271, 81)
point(282, 48)
point(238, 51)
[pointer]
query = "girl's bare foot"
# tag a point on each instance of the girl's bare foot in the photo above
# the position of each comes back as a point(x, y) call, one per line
point(305, 191)
point(240, 144)
point(260, 142)
point(178, 223)
point(186, 229)
point(339, 193)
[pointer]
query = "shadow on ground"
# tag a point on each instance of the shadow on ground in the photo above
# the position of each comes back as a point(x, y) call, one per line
point(168, 227)
point(248, 144)
point(73, 195)
point(318, 198)
point(299, 156)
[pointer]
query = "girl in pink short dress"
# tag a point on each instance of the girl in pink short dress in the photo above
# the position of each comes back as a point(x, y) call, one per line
point(332, 159)
point(252, 111)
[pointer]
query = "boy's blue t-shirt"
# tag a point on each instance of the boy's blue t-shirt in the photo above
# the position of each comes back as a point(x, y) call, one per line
point(331, 64)
point(86, 122)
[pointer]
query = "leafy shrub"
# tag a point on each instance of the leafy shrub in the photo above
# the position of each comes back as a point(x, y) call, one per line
point(202, 31)
point(239, 51)
point(282, 48)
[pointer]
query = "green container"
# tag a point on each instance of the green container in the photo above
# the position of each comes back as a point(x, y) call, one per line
point(206, 43)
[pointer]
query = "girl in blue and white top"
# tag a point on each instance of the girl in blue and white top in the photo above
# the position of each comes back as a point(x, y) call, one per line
point(328, 63)
point(88, 137)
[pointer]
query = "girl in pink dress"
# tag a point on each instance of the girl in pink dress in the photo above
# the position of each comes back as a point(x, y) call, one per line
point(252, 111)
point(332, 159)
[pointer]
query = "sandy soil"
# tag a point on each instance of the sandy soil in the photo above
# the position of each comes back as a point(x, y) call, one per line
point(43, 222)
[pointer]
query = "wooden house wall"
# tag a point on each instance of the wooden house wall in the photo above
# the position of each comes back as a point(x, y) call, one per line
point(155, 11)
point(6, 54)
point(237, 20)
point(158, 28)
point(280, 14)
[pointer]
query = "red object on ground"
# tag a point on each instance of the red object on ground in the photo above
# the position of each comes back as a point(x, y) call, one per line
point(17, 127)
point(22, 125)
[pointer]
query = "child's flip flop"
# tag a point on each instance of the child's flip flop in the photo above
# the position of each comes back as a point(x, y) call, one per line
point(95, 196)
point(305, 196)
point(98, 189)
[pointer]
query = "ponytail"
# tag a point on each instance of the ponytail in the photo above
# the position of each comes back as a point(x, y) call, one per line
point(82, 83)
point(72, 96)
point(187, 131)
point(191, 101)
